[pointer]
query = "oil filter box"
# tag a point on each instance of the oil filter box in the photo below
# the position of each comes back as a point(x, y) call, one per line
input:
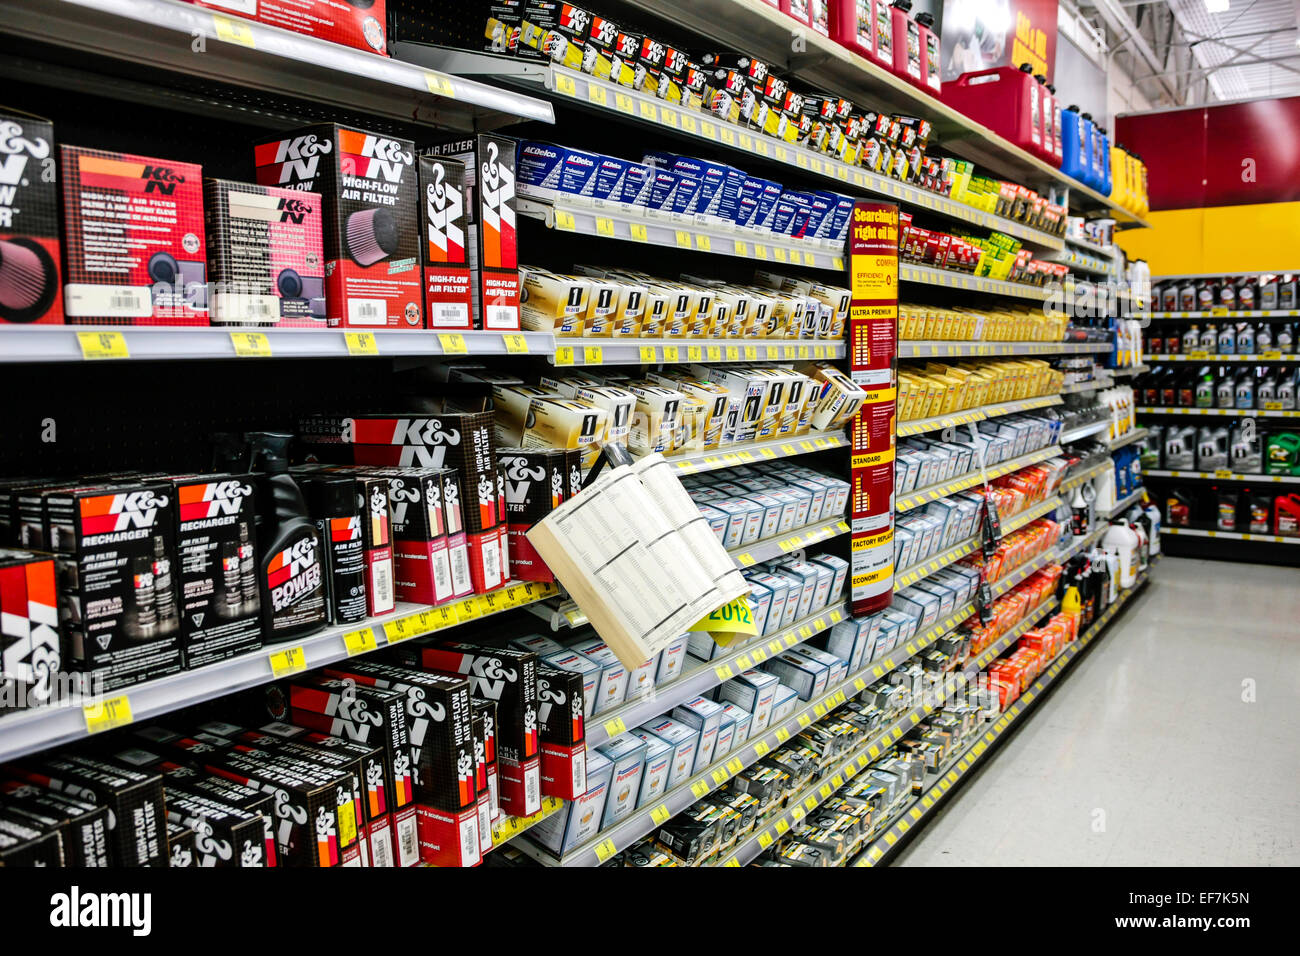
point(448, 291)
point(508, 677)
point(356, 23)
point(371, 225)
point(30, 289)
point(493, 248)
point(534, 487)
point(265, 255)
point(216, 567)
point(133, 237)
point(30, 648)
point(118, 596)
point(563, 734)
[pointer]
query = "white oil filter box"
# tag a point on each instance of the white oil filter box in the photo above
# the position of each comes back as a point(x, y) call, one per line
point(655, 418)
point(753, 691)
point(743, 720)
point(659, 755)
point(672, 660)
point(613, 678)
point(618, 404)
point(685, 741)
point(806, 676)
point(706, 717)
point(726, 737)
point(578, 820)
point(592, 675)
point(854, 641)
point(641, 681)
point(627, 753)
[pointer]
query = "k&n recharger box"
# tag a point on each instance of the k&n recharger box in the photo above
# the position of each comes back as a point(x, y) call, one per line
point(265, 254)
point(562, 731)
point(116, 547)
point(448, 290)
point(133, 239)
point(371, 230)
point(509, 677)
point(30, 649)
point(493, 249)
point(356, 23)
point(30, 288)
point(216, 558)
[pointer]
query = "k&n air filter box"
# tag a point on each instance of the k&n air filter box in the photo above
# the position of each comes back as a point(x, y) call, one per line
point(133, 239)
point(30, 648)
point(563, 740)
point(448, 290)
point(370, 194)
point(534, 487)
point(30, 288)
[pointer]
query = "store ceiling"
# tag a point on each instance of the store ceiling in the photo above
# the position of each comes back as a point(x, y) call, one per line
point(1188, 52)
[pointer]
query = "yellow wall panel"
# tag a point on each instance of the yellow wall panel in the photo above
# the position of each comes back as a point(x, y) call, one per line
point(1221, 239)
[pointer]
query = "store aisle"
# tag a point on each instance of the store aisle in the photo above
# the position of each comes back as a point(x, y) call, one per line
point(1151, 752)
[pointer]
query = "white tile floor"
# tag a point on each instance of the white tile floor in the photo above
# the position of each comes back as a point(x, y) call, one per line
point(1147, 754)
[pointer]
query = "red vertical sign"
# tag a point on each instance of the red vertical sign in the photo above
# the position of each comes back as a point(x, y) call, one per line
point(873, 358)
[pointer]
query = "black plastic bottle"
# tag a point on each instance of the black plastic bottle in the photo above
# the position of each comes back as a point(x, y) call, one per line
point(291, 574)
point(333, 504)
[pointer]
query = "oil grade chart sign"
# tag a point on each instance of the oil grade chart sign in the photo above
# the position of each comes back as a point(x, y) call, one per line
point(873, 358)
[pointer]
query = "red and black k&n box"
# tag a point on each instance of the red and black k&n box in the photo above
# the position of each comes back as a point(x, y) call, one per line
point(225, 836)
point(487, 711)
point(493, 254)
point(368, 184)
point(30, 288)
point(133, 239)
point(430, 556)
point(30, 651)
point(228, 792)
point(83, 824)
point(509, 677)
point(563, 735)
point(448, 291)
point(482, 795)
point(377, 534)
point(216, 567)
point(534, 485)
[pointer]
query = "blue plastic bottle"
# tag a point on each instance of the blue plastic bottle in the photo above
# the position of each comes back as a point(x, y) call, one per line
point(1103, 161)
point(1074, 159)
point(1091, 173)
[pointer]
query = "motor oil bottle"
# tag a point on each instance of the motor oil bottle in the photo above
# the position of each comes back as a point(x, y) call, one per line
point(1169, 298)
point(1226, 515)
point(1227, 342)
point(1209, 338)
point(1225, 395)
point(1264, 337)
point(1268, 293)
point(1227, 297)
point(1282, 454)
point(1192, 338)
point(1246, 295)
point(1257, 511)
point(1245, 391)
point(332, 503)
point(1245, 339)
point(1286, 339)
point(1286, 515)
point(1178, 509)
point(1207, 293)
point(1080, 519)
point(1137, 521)
point(1244, 452)
point(1286, 391)
point(1265, 388)
point(1204, 397)
point(1286, 292)
point(1187, 297)
point(291, 579)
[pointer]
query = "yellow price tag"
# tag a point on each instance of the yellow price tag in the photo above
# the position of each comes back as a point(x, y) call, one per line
point(765, 839)
point(291, 660)
point(605, 849)
point(648, 355)
point(102, 345)
point(683, 238)
point(742, 248)
point(516, 344)
point(688, 123)
point(805, 720)
point(251, 344)
point(604, 226)
point(648, 111)
point(360, 642)
point(782, 825)
point(773, 353)
point(660, 815)
point(767, 453)
point(733, 353)
point(715, 353)
point(233, 31)
point(401, 629)
point(719, 777)
point(564, 355)
point(361, 343)
point(107, 714)
point(728, 136)
point(760, 251)
point(668, 117)
point(761, 748)
point(596, 94)
point(468, 609)
point(724, 672)
point(702, 243)
point(694, 353)
point(593, 355)
point(564, 84)
point(453, 343)
point(440, 85)
point(779, 253)
point(638, 231)
point(623, 102)
point(671, 353)
point(564, 220)
point(615, 726)
point(751, 353)
point(782, 734)
point(699, 788)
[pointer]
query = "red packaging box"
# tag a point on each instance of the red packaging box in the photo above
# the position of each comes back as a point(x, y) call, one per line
point(448, 286)
point(355, 23)
point(482, 795)
point(493, 248)
point(563, 735)
point(406, 835)
point(369, 187)
point(422, 555)
point(448, 838)
point(30, 288)
point(534, 486)
point(487, 709)
point(133, 239)
point(30, 651)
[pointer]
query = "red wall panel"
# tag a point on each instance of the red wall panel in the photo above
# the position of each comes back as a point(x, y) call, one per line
point(1198, 157)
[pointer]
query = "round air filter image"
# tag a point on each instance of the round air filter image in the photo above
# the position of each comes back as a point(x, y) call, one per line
point(28, 280)
point(371, 236)
point(164, 268)
point(289, 283)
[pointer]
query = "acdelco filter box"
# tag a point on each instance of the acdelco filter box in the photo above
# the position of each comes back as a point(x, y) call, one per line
point(30, 647)
point(265, 255)
point(493, 250)
point(448, 290)
point(561, 727)
point(355, 24)
point(579, 820)
point(685, 741)
point(116, 547)
point(216, 567)
point(133, 239)
point(509, 677)
point(369, 186)
point(29, 224)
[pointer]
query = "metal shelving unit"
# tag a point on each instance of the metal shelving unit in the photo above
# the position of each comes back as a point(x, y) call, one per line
point(1223, 474)
point(1221, 412)
point(1125, 503)
point(1234, 535)
point(921, 496)
point(778, 545)
point(928, 275)
point(1272, 356)
point(919, 426)
point(1127, 370)
point(666, 230)
point(653, 351)
point(1074, 481)
point(28, 731)
point(928, 349)
point(1128, 438)
point(952, 773)
point(752, 452)
point(1094, 385)
point(160, 34)
point(1084, 431)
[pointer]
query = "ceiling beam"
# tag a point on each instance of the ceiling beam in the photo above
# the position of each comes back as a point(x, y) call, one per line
point(1118, 20)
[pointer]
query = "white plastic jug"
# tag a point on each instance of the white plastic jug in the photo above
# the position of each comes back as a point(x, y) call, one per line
point(1121, 541)
point(1153, 515)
